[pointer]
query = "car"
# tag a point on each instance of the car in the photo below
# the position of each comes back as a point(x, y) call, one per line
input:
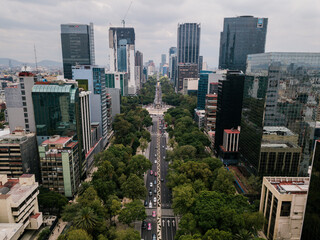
point(155, 191)
point(155, 161)
point(154, 214)
point(155, 182)
point(161, 179)
point(154, 236)
point(151, 184)
point(163, 146)
point(149, 226)
point(150, 204)
point(155, 174)
point(156, 147)
point(150, 193)
point(146, 202)
point(154, 199)
point(144, 224)
point(151, 172)
point(164, 157)
point(155, 155)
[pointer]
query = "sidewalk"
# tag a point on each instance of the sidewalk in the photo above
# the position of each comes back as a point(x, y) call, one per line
point(57, 230)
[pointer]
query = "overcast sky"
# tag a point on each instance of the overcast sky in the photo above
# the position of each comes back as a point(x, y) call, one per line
point(294, 25)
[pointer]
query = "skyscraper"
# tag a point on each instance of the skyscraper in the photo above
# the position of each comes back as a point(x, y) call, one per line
point(279, 112)
point(77, 44)
point(163, 61)
point(188, 44)
point(230, 95)
point(122, 53)
point(139, 65)
point(241, 36)
point(172, 53)
point(200, 63)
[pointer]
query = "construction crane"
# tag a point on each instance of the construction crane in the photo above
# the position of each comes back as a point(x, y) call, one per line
point(124, 18)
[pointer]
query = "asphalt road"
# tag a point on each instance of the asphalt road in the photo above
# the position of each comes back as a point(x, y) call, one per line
point(168, 223)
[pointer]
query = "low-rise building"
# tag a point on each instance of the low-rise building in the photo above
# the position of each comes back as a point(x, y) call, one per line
point(19, 205)
point(229, 150)
point(283, 202)
point(199, 116)
point(60, 165)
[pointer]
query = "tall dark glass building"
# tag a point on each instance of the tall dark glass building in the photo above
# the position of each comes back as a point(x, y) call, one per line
point(77, 44)
point(241, 36)
point(229, 106)
point(188, 44)
point(280, 112)
point(203, 85)
point(311, 222)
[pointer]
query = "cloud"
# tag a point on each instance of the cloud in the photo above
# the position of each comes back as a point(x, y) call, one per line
point(293, 24)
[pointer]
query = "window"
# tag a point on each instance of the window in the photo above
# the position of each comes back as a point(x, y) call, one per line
point(23, 92)
point(26, 115)
point(285, 209)
point(25, 110)
point(27, 126)
point(24, 104)
point(26, 120)
point(23, 98)
point(22, 85)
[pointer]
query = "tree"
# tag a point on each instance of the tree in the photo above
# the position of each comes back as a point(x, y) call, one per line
point(128, 234)
point(244, 235)
point(134, 187)
point(78, 234)
point(143, 144)
point(132, 211)
point(183, 198)
point(138, 165)
point(86, 219)
point(224, 182)
point(215, 234)
point(50, 201)
point(188, 224)
point(115, 208)
point(44, 234)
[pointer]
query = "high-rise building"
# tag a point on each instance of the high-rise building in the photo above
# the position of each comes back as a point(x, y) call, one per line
point(77, 42)
point(200, 63)
point(188, 44)
point(205, 77)
point(19, 154)
point(283, 201)
point(139, 67)
point(172, 64)
point(185, 70)
point(311, 222)
point(122, 54)
point(60, 169)
point(241, 36)
point(93, 79)
point(230, 95)
point(117, 80)
point(19, 209)
point(115, 96)
point(19, 103)
point(279, 112)
point(163, 61)
point(56, 110)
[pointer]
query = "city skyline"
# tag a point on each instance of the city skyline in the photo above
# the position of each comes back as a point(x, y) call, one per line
point(294, 31)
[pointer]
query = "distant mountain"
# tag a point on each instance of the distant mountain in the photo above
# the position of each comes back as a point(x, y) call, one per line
point(43, 63)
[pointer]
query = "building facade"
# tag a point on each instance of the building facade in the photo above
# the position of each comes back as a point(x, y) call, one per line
point(139, 68)
point(241, 36)
point(188, 43)
point(19, 103)
point(60, 165)
point(283, 201)
point(229, 150)
point(19, 202)
point(230, 95)
point(205, 77)
point(93, 79)
point(185, 70)
point(280, 92)
point(122, 54)
point(77, 43)
point(117, 80)
point(116, 100)
point(211, 112)
point(19, 155)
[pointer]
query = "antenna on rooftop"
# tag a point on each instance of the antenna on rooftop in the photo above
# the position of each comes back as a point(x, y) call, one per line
point(35, 58)
point(124, 18)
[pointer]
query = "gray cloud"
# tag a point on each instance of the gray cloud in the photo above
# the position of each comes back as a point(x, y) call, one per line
point(293, 24)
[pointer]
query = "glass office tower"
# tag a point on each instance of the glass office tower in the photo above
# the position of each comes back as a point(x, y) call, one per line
point(188, 44)
point(279, 113)
point(241, 36)
point(77, 44)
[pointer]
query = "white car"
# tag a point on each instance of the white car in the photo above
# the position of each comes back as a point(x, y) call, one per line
point(151, 184)
point(155, 161)
point(150, 204)
point(154, 199)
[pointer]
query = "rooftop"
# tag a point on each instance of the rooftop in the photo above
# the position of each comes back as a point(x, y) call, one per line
point(8, 230)
point(229, 131)
point(60, 140)
point(290, 185)
point(277, 131)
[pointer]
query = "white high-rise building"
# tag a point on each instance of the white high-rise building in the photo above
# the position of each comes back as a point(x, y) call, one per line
point(122, 54)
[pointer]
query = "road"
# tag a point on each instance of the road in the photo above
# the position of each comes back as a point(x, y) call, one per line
point(158, 145)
